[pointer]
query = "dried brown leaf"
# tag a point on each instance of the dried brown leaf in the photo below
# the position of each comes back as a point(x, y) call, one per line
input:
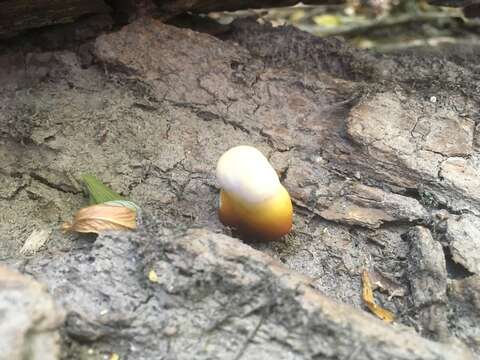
point(102, 217)
point(367, 295)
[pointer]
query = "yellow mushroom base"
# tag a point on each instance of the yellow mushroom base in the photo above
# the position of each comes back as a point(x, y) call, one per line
point(268, 220)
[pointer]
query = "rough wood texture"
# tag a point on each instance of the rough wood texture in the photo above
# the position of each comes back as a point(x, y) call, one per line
point(177, 6)
point(214, 298)
point(17, 15)
point(367, 145)
point(29, 319)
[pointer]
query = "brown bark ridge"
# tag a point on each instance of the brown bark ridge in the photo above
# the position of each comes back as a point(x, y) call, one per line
point(29, 318)
point(178, 6)
point(214, 297)
point(18, 15)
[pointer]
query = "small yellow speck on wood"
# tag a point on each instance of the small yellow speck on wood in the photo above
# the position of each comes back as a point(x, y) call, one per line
point(367, 296)
point(152, 276)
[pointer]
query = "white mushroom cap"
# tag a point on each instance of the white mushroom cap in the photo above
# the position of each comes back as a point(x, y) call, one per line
point(246, 173)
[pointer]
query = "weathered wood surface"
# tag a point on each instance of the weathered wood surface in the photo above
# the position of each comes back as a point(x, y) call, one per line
point(369, 146)
point(230, 5)
point(18, 15)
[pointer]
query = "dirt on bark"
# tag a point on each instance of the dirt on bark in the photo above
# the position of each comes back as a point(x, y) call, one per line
point(380, 154)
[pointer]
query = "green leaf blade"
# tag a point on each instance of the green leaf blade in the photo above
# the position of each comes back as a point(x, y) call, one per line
point(98, 192)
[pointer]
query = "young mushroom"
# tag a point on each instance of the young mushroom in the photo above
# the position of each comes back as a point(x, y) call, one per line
point(252, 199)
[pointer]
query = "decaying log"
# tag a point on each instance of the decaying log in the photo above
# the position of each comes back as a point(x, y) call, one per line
point(30, 318)
point(367, 145)
point(17, 15)
point(178, 6)
point(208, 296)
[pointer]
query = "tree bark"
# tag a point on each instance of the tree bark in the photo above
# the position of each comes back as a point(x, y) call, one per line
point(178, 6)
point(18, 15)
